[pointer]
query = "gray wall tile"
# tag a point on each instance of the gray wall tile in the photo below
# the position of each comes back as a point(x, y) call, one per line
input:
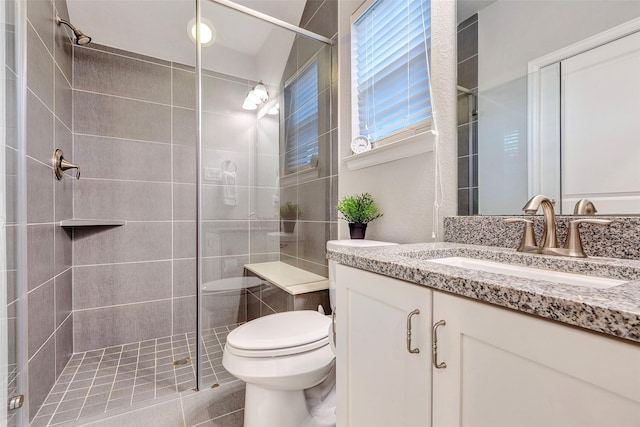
point(184, 127)
point(41, 15)
point(105, 327)
point(217, 89)
point(468, 42)
point(128, 159)
point(214, 207)
point(63, 296)
point(40, 70)
point(39, 192)
point(184, 88)
point(184, 277)
point(105, 285)
point(64, 345)
point(63, 48)
point(42, 376)
point(42, 320)
point(133, 242)
point(224, 238)
point(103, 72)
point(128, 200)
point(324, 21)
point(63, 249)
point(40, 254)
point(63, 98)
point(184, 315)
point(184, 159)
point(184, 202)
point(39, 130)
point(184, 239)
point(104, 115)
point(223, 308)
point(314, 237)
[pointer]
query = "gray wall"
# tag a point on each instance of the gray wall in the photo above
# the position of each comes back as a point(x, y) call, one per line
point(316, 197)
point(467, 121)
point(49, 277)
point(134, 136)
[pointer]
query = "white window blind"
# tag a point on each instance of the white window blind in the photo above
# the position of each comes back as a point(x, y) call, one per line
point(389, 67)
point(301, 120)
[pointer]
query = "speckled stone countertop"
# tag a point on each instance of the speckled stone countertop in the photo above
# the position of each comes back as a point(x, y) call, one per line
point(613, 311)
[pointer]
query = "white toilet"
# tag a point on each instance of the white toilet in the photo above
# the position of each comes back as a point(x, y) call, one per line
point(281, 356)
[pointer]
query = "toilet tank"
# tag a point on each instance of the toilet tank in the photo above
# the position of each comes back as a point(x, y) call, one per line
point(355, 243)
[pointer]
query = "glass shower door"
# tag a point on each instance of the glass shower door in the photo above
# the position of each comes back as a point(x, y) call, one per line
point(8, 219)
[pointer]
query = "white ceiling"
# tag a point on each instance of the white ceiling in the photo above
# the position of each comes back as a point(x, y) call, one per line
point(158, 28)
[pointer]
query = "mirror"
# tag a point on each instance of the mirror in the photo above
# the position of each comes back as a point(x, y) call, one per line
point(548, 95)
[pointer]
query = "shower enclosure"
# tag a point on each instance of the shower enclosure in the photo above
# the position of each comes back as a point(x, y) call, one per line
point(118, 289)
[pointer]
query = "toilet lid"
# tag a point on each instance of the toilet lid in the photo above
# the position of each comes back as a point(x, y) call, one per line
point(280, 331)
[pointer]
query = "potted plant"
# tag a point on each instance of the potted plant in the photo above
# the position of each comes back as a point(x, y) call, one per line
point(289, 213)
point(358, 210)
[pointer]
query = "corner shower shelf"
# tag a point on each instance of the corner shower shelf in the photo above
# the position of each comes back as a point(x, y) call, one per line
point(390, 152)
point(91, 223)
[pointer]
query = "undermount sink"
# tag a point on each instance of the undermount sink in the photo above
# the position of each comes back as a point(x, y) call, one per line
point(530, 272)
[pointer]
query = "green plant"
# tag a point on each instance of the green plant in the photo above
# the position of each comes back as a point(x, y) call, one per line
point(358, 208)
point(290, 211)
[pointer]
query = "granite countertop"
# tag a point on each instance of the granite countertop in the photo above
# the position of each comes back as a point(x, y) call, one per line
point(613, 311)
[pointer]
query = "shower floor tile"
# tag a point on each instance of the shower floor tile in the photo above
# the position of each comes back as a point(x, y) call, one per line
point(113, 378)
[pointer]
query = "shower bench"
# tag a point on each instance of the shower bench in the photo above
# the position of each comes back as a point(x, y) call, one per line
point(284, 288)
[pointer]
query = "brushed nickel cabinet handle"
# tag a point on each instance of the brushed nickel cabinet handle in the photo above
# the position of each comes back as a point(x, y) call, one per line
point(409, 349)
point(435, 345)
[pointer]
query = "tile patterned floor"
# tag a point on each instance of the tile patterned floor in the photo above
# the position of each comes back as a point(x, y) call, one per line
point(104, 380)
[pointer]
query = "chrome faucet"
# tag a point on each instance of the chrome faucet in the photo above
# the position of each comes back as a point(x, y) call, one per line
point(549, 237)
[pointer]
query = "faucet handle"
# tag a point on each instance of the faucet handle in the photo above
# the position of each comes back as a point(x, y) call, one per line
point(528, 240)
point(573, 244)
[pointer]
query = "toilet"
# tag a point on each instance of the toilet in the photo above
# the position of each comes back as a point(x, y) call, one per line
point(287, 362)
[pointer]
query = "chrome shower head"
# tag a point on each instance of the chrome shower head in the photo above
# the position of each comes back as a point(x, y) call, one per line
point(81, 38)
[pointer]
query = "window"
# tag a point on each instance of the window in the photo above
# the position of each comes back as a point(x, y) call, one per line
point(301, 120)
point(390, 40)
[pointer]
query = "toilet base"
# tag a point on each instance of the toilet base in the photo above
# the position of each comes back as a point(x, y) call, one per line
point(274, 408)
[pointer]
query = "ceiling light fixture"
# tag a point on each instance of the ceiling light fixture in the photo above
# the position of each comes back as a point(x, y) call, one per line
point(256, 96)
point(208, 32)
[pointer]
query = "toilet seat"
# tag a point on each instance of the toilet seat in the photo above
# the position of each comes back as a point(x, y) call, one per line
point(280, 334)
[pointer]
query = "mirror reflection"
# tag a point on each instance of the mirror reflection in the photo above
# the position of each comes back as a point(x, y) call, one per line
point(547, 92)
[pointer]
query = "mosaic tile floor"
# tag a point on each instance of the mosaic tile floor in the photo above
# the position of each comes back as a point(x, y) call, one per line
point(104, 380)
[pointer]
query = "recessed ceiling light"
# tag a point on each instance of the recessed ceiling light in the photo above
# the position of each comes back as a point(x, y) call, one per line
point(207, 32)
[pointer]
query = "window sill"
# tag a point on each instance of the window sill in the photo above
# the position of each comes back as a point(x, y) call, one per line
point(408, 147)
point(303, 175)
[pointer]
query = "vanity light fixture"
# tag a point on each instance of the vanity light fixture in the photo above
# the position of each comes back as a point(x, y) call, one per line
point(208, 32)
point(256, 96)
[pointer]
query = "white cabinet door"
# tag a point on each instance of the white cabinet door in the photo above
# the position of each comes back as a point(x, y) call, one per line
point(379, 383)
point(509, 369)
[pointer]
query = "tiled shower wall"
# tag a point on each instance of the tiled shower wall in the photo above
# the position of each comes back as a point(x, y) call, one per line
point(468, 117)
point(134, 136)
point(316, 196)
point(49, 277)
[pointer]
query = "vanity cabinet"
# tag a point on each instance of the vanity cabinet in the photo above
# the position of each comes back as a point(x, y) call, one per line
point(503, 368)
point(379, 382)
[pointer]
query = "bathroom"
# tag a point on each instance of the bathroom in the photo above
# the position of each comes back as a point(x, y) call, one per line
point(156, 280)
